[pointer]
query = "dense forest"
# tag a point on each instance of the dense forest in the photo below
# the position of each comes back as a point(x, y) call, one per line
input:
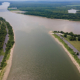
point(58, 10)
point(3, 33)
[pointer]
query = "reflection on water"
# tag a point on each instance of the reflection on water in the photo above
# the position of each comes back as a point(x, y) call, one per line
point(37, 56)
point(72, 11)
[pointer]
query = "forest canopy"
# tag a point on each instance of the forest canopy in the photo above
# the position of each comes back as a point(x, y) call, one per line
point(58, 10)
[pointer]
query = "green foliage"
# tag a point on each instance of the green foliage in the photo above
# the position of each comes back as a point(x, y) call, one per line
point(72, 38)
point(79, 38)
point(61, 32)
point(58, 10)
point(3, 64)
point(9, 44)
point(77, 53)
point(3, 33)
point(8, 55)
point(65, 35)
point(55, 31)
point(2, 52)
point(71, 33)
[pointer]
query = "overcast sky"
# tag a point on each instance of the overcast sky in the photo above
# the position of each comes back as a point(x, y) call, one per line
point(39, 0)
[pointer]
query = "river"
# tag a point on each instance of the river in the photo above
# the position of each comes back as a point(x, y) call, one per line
point(37, 56)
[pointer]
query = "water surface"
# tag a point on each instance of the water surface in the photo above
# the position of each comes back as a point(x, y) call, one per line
point(37, 56)
point(72, 11)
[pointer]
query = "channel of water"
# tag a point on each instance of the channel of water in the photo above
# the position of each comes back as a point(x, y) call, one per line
point(37, 56)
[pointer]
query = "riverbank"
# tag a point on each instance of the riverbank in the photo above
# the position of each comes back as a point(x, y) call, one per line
point(9, 63)
point(19, 12)
point(71, 57)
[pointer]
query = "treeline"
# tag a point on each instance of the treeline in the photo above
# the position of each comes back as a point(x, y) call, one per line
point(56, 15)
point(58, 10)
point(11, 37)
point(3, 33)
point(73, 37)
point(8, 45)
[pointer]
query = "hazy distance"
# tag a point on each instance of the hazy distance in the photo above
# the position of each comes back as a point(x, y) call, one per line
point(39, 0)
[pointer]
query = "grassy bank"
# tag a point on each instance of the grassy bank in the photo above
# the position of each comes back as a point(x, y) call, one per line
point(68, 48)
point(76, 43)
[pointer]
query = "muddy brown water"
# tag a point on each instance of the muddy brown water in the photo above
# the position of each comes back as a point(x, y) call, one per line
point(37, 56)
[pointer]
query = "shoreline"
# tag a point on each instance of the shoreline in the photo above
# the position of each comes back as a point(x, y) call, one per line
point(9, 63)
point(44, 17)
point(18, 12)
point(71, 57)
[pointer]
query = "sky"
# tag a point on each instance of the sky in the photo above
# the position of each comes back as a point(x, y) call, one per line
point(39, 0)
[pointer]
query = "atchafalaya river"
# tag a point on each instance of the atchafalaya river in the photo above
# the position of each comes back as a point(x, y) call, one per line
point(37, 56)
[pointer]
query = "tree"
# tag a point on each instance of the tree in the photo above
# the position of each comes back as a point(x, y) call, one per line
point(55, 31)
point(62, 32)
point(71, 33)
point(79, 38)
point(72, 38)
point(77, 53)
point(65, 35)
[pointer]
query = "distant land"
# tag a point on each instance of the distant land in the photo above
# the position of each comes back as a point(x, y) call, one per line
point(57, 10)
